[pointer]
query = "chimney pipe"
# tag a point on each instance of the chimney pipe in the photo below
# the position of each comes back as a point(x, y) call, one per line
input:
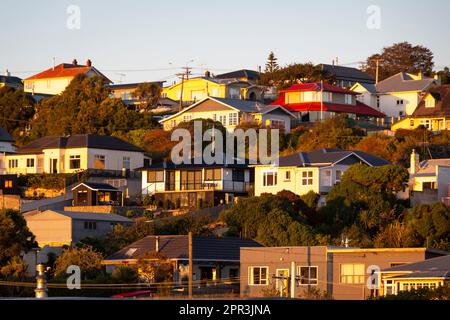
point(415, 162)
point(157, 244)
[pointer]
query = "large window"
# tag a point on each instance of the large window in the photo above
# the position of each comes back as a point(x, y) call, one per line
point(8, 184)
point(307, 178)
point(308, 275)
point(155, 176)
point(287, 176)
point(238, 175)
point(30, 163)
point(99, 161)
point(270, 179)
point(75, 162)
point(233, 119)
point(213, 174)
point(326, 178)
point(348, 99)
point(258, 276)
point(352, 273)
point(223, 119)
point(13, 163)
point(338, 175)
point(90, 225)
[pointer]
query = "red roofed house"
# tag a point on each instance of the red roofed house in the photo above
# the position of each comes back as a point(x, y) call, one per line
point(55, 80)
point(311, 102)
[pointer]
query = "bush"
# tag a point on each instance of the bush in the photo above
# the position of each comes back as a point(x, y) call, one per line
point(130, 213)
point(124, 274)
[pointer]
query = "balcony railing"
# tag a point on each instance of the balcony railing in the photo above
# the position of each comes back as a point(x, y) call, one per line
point(228, 186)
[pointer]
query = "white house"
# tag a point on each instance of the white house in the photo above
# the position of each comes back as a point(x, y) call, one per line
point(59, 154)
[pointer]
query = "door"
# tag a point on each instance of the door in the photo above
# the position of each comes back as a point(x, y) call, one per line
point(53, 165)
point(170, 180)
point(282, 282)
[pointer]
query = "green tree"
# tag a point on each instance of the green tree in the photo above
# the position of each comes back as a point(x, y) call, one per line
point(86, 258)
point(401, 57)
point(272, 63)
point(148, 94)
point(15, 236)
point(16, 111)
point(125, 274)
point(430, 225)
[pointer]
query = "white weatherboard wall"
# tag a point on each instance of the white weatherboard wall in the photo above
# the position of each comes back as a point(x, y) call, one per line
point(443, 181)
point(114, 158)
point(388, 103)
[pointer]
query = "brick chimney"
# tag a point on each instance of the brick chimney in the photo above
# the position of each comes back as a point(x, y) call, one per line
point(414, 162)
point(74, 62)
point(89, 63)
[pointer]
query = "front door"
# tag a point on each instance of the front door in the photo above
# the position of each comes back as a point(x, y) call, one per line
point(282, 282)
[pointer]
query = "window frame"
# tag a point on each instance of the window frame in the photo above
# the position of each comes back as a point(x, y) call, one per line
point(156, 179)
point(308, 180)
point(316, 279)
point(251, 276)
point(274, 179)
point(353, 275)
point(74, 158)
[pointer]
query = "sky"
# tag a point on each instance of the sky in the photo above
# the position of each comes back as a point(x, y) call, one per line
point(137, 40)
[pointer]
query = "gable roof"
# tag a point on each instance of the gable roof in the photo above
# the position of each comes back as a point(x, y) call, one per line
point(64, 70)
point(236, 104)
point(441, 94)
point(328, 156)
point(431, 268)
point(243, 73)
point(370, 87)
point(78, 141)
point(108, 217)
point(403, 81)
point(96, 186)
point(11, 80)
point(347, 73)
point(5, 136)
point(176, 247)
point(316, 86)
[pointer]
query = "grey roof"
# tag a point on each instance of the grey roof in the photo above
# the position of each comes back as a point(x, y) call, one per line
point(97, 186)
point(369, 87)
point(347, 73)
point(327, 156)
point(10, 80)
point(5, 136)
point(243, 73)
point(78, 141)
point(404, 82)
point(108, 217)
point(249, 106)
point(176, 247)
point(435, 267)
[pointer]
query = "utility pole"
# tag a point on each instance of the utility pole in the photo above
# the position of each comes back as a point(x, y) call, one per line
point(377, 72)
point(191, 273)
point(292, 279)
point(183, 75)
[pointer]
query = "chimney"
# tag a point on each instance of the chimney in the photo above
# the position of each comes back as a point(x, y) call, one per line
point(74, 62)
point(157, 244)
point(7, 73)
point(420, 75)
point(208, 74)
point(89, 63)
point(415, 161)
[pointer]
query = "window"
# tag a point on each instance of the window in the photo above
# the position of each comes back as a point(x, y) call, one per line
point(307, 178)
point(29, 85)
point(270, 179)
point(173, 123)
point(8, 184)
point(326, 178)
point(338, 175)
point(187, 118)
point(30, 163)
point(213, 174)
point(348, 99)
point(277, 123)
point(155, 176)
point(13, 163)
point(411, 123)
point(308, 275)
point(238, 175)
point(287, 176)
point(429, 186)
point(223, 119)
point(214, 116)
point(258, 276)
point(89, 225)
point(429, 103)
point(352, 273)
point(75, 162)
point(233, 119)
point(99, 161)
point(126, 163)
point(399, 102)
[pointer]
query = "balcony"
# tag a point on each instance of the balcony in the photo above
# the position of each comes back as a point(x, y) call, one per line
point(226, 186)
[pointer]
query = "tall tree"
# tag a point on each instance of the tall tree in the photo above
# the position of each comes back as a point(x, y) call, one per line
point(148, 94)
point(400, 57)
point(271, 64)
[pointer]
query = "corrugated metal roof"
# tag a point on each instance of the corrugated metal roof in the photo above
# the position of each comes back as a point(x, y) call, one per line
point(109, 217)
point(439, 266)
point(404, 82)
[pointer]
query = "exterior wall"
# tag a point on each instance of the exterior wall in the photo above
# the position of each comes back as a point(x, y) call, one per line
point(114, 158)
point(443, 182)
point(22, 164)
point(268, 118)
point(433, 124)
point(79, 232)
point(388, 103)
point(328, 262)
point(195, 88)
point(52, 86)
point(50, 228)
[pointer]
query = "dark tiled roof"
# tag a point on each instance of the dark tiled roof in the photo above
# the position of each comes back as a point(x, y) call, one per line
point(244, 73)
point(78, 141)
point(97, 186)
point(435, 267)
point(322, 157)
point(403, 82)
point(176, 247)
point(442, 107)
point(5, 136)
point(349, 74)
